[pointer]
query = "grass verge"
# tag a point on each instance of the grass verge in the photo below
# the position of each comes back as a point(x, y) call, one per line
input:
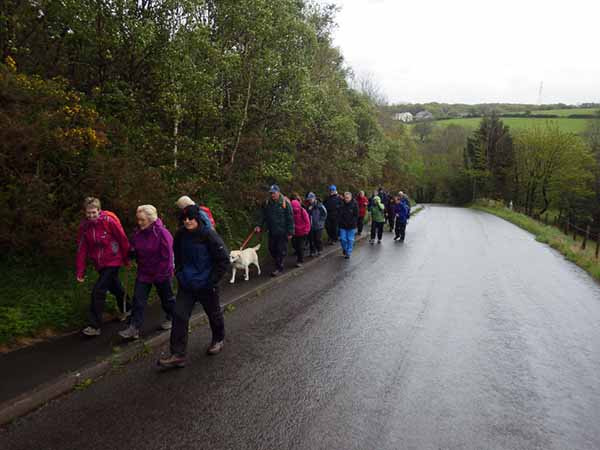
point(547, 234)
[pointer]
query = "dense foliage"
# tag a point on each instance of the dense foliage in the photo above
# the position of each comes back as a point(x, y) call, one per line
point(139, 101)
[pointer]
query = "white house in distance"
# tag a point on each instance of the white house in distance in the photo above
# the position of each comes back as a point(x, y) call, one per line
point(403, 117)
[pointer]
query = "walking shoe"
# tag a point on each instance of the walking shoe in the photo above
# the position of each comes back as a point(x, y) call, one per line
point(166, 325)
point(215, 348)
point(171, 362)
point(276, 273)
point(379, 241)
point(318, 253)
point(299, 264)
point(371, 241)
point(130, 332)
point(346, 256)
point(91, 331)
point(311, 254)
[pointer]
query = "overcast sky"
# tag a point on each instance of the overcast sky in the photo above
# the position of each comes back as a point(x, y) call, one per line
point(474, 51)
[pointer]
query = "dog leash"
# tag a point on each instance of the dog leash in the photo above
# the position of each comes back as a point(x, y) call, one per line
point(247, 240)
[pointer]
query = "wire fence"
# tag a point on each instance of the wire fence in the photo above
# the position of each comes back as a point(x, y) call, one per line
point(566, 225)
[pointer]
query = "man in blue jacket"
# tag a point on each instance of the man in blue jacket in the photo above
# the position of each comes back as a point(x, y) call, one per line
point(402, 213)
point(201, 260)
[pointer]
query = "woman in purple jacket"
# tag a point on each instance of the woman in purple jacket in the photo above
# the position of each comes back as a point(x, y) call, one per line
point(152, 246)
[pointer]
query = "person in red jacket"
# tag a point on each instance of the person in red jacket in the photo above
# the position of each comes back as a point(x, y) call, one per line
point(363, 202)
point(102, 240)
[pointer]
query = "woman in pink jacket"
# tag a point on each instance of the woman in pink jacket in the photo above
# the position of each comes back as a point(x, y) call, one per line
point(102, 240)
point(301, 230)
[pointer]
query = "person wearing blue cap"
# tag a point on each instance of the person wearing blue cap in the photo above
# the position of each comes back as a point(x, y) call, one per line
point(277, 217)
point(333, 205)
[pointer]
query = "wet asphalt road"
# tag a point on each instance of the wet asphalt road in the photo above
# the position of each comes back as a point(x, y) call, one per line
point(469, 335)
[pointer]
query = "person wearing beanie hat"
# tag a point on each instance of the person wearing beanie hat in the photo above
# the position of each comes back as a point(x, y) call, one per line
point(201, 260)
point(184, 201)
point(333, 203)
point(318, 217)
point(277, 217)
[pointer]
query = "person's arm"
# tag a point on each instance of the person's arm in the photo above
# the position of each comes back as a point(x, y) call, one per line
point(177, 250)
point(121, 239)
point(289, 219)
point(260, 219)
point(220, 256)
point(82, 252)
point(166, 246)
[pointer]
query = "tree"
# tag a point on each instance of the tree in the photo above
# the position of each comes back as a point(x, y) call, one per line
point(552, 166)
point(489, 157)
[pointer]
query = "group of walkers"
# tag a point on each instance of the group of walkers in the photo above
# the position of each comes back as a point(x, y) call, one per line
point(198, 257)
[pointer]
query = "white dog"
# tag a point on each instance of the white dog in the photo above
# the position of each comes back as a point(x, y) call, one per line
point(241, 259)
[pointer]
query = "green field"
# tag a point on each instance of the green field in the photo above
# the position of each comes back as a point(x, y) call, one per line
point(568, 112)
point(576, 126)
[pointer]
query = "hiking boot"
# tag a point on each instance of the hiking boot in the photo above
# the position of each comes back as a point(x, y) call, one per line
point(318, 253)
point(166, 325)
point(171, 362)
point(215, 348)
point(130, 332)
point(91, 331)
point(379, 241)
point(276, 273)
point(299, 264)
point(346, 256)
point(371, 241)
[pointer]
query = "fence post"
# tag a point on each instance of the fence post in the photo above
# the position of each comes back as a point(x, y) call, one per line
point(585, 238)
point(567, 227)
point(574, 233)
point(597, 244)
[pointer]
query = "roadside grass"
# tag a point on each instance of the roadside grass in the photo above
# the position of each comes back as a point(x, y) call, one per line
point(40, 299)
point(550, 235)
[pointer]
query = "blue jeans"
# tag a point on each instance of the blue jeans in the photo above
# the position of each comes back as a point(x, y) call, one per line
point(347, 239)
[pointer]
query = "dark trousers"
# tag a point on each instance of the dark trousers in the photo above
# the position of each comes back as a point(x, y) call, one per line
point(108, 281)
point(315, 240)
point(298, 244)
point(278, 249)
point(391, 219)
point(377, 229)
point(184, 305)
point(141, 293)
point(333, 229)
point(400, 230)
point(361, 223)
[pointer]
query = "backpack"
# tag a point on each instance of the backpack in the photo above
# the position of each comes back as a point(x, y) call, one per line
point(206, 210)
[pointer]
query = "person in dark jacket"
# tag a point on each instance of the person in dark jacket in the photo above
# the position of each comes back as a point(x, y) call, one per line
point(332, 204)
point(318, 217)
point(348, 220)
point(201, 260)
point(402, 213)
point(152, 247)
point(277, 217)
point(390, 211)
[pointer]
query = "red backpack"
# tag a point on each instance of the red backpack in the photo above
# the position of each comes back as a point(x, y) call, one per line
point(209, 214)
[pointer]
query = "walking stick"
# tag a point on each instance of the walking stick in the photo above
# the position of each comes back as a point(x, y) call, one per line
point(126, 293)
point(247, 240)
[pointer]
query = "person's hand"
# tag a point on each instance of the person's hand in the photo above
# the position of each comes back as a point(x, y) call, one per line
point(80, 279)
point(257, 230)
point(289, 237)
